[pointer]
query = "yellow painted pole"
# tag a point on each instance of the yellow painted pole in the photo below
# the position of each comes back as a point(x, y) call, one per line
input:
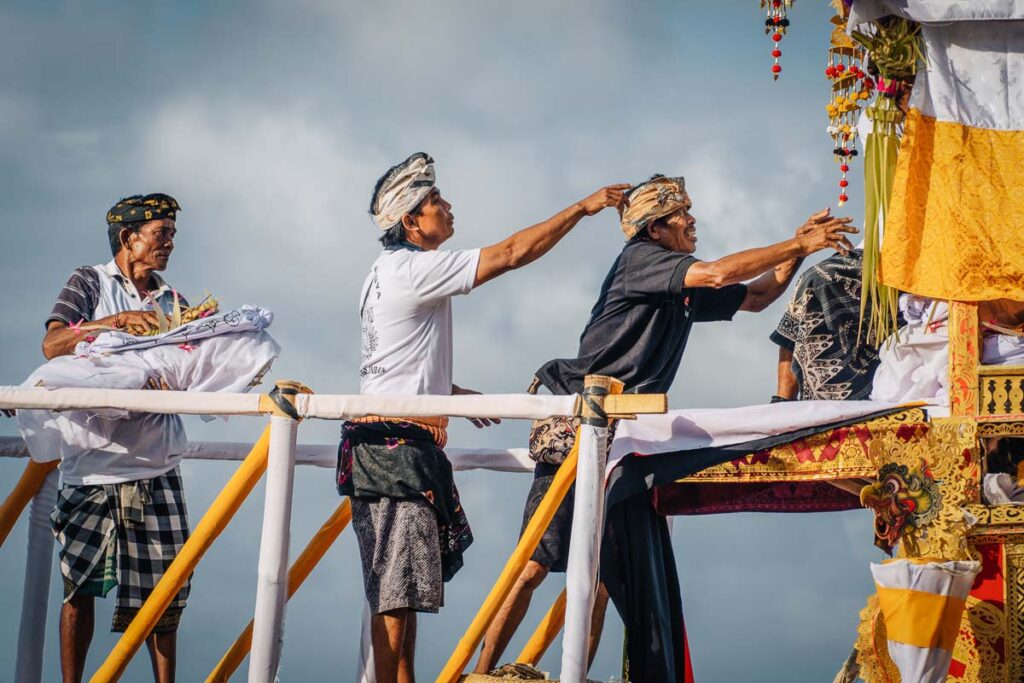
point(28, 485)
point(564, 478)
point(549, 627)
point(223, 508)
point(300, 569)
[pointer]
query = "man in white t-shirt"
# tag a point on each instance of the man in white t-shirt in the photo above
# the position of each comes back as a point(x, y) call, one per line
point(406, 513)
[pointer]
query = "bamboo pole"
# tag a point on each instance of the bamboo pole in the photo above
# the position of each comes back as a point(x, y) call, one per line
point(581, 572)
point(27, 487)
point(563, 479)
point(550, 626)
point(209, 528)
point(300, 570)
point(35, 595)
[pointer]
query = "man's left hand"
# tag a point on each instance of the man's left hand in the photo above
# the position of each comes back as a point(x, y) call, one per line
point(478, 422)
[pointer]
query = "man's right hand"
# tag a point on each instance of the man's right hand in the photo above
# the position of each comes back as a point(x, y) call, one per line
point(135, 322)
point(823, 230)
point(612, 195)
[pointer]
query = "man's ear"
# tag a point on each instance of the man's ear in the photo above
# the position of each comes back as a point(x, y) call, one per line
point(409, 222)
point(124, 238)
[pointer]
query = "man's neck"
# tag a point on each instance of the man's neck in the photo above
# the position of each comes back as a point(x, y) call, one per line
point(139, 275)
point(419, 243)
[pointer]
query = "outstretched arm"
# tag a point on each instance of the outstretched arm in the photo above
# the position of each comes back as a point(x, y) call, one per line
point(770, 286)
point(820, 231)
point(531, 243)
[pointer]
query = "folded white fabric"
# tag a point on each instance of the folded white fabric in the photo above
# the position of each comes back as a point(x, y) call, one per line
point(914, 367)
point(1000, 489)
point(1002, 349)
point(683, 430)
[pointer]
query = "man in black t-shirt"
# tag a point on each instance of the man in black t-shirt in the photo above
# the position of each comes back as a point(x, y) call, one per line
point(637, 333)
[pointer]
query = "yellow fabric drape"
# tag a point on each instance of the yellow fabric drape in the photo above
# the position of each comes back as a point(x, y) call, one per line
point(956, 217)
point(920, 619)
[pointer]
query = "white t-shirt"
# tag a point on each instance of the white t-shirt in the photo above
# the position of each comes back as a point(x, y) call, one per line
point(406, 314)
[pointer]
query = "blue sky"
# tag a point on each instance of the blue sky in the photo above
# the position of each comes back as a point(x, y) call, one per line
point(270, 122)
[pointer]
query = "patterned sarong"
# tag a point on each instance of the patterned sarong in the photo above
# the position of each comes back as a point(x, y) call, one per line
point(403, 462)
point(128, 533)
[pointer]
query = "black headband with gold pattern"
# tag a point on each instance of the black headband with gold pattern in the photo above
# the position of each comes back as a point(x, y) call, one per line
point(139, 207)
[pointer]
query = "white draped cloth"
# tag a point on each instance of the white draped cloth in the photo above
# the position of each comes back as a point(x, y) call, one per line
point(228, 362)
point(915, 364)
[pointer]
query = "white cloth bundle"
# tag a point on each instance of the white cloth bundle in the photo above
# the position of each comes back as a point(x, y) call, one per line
point(242, 319)
point(110, 446)
point(914, 366)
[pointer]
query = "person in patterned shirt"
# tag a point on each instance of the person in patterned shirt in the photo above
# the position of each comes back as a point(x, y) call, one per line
point(822, 354)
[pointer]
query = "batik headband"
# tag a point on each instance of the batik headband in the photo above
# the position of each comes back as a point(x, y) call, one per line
point(651, 200)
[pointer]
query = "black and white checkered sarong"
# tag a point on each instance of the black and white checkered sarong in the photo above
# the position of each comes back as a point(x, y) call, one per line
point(143, 524)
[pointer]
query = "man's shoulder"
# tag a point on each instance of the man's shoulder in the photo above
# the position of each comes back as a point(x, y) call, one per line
point(87, 275)
point(834, 267)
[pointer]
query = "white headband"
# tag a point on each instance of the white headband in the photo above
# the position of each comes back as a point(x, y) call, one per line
point(404, 187)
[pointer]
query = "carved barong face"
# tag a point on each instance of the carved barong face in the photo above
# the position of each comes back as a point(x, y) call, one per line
point(901, 498)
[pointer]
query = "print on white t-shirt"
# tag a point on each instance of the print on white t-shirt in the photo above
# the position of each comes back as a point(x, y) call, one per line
point(406, 319)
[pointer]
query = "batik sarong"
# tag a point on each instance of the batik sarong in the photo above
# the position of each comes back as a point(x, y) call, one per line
point(401, 461)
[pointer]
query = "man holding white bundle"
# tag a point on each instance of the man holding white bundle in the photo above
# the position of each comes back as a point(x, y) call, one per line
point(120, 517)
point(406, 514)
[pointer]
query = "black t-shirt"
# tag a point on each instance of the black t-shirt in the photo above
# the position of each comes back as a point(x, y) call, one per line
point(639, 326)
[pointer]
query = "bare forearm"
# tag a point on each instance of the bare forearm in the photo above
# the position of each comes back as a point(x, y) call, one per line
point(527, 245)
point(60, 340)
point(743, 265)
point(763, 291)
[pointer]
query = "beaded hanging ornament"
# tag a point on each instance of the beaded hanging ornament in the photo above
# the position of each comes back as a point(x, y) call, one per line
point(775, 25)
point(851, 88)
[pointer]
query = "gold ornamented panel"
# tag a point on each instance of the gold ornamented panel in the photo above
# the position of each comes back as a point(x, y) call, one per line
point(1014, 576)
point(964, 353)
point(840, 453)
point(1013, 425)
point(1001, 390)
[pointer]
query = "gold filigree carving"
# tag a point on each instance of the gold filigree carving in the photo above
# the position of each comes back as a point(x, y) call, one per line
point(949, 448)
point(989, 516)
point(1013, 427)
point(1014, 577)
point(872, 647)
point(977, 645)
point(963, 358)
